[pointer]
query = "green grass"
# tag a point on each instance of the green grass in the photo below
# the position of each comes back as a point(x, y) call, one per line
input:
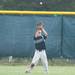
point(38, 70)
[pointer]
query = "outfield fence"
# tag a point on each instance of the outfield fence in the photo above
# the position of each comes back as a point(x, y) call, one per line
point(17, 30)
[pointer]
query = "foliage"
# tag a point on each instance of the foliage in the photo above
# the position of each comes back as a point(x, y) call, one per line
point(53, 5)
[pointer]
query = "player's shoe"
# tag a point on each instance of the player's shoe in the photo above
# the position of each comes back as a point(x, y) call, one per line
point(27, 71)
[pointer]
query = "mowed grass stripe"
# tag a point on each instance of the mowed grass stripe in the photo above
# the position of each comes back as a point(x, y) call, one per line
point(38, 70)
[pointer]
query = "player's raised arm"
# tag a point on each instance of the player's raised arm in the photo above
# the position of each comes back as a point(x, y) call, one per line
point(44, 31)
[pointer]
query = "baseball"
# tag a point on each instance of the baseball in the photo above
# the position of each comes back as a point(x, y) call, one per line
point(41, 3)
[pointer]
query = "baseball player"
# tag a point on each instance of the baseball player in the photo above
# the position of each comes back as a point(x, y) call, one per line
point(40, 48)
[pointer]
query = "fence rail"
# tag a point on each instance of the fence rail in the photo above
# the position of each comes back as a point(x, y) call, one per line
point(37, 12)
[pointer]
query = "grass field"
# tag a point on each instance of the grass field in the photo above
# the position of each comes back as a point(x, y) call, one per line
point(38, 70)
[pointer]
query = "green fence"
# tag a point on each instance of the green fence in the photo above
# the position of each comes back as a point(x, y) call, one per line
point(17, 31)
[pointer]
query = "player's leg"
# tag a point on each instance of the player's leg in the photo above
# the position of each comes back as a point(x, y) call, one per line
point(34, 60)
point(44, 61)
